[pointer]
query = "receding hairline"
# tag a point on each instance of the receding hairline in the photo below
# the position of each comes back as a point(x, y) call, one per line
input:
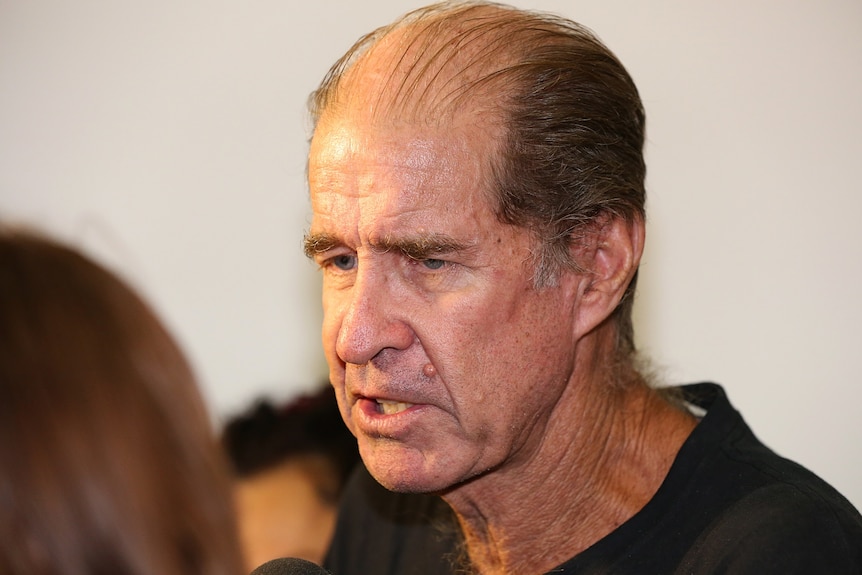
point(430, 62)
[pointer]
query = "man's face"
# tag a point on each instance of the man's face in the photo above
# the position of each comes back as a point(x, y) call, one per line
point(445, 359)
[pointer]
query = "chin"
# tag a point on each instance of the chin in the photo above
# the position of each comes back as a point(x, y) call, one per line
point(407, 470)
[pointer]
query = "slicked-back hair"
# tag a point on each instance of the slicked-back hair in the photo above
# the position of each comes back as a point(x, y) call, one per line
point(108, 461)
point(570, 153)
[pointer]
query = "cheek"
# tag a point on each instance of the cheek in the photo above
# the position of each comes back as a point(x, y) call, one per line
point(329, 334)
point(501, 322)
point(336, 366)
point(343, 405)
point(507, 346)
point(469, 346)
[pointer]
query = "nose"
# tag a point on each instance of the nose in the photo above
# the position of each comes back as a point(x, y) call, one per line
point(372, 321)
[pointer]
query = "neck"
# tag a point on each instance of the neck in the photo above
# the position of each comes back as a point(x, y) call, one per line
point(603, 455)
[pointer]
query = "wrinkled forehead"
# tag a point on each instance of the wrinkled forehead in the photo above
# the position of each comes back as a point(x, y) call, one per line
point(413, 158)
point(386, 178)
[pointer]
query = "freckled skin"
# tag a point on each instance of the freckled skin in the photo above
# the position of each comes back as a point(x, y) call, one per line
point(482, 354)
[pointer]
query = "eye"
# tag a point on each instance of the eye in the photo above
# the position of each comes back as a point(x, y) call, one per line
point(433, 264)
point(344, 262)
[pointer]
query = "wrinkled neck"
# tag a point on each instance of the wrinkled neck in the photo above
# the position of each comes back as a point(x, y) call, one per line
point(604, 453)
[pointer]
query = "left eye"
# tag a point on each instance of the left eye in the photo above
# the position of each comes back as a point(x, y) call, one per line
point(433, 264)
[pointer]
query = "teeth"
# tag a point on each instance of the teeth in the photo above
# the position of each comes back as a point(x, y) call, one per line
point(392, 407)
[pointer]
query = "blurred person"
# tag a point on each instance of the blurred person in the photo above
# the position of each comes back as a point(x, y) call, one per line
point(290, 464)
point(108, 461)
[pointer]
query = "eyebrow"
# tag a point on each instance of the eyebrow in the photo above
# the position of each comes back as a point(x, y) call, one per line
point(419, 247)
point(314, 244)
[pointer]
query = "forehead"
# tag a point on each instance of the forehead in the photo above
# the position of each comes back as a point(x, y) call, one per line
point(412, 172)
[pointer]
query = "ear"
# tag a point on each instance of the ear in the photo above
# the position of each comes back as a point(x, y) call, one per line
point(609, 253)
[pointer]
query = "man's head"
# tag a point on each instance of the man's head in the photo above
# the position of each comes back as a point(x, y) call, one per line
point(568, 116)
point(477, 186)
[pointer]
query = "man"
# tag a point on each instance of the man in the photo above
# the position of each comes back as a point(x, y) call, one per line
point(476, 177)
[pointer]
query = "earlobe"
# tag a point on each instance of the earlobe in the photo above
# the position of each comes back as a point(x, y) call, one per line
point(610, 254)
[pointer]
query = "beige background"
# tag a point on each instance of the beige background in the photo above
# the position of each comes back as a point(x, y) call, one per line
point(168, 139)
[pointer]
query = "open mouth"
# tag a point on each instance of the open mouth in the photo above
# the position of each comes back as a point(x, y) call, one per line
point(388, 407)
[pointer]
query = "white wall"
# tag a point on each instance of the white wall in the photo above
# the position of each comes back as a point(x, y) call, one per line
point(168, 139)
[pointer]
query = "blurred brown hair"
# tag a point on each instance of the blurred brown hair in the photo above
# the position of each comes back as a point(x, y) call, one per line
point(108, 464)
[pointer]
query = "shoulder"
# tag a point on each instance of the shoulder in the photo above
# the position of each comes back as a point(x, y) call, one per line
point(793, 524)
point(754, 511)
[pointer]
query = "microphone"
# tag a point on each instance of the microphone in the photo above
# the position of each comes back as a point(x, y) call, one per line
point(289, 566)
